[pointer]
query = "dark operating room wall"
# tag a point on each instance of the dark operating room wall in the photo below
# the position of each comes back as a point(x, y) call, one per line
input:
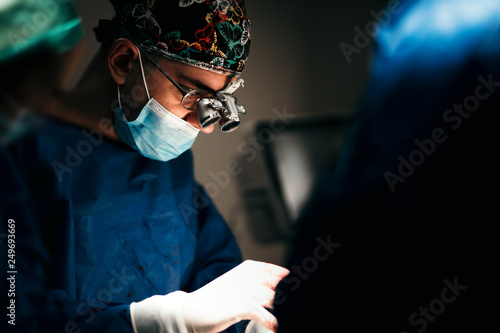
point(296, 67)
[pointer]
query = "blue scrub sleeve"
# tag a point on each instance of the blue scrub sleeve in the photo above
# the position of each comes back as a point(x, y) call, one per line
point(102, 318)
point(217, 251)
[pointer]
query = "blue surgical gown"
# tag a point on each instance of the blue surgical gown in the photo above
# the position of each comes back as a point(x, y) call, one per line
point(117, 227)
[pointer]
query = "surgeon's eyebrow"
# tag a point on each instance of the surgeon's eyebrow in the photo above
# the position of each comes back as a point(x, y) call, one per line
point(195, 83)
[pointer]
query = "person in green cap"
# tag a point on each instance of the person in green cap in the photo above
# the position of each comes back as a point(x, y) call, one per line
point(38, 52)
point(39, 48)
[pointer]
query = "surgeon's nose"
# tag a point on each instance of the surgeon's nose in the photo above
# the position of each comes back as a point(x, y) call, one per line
point(207, 130)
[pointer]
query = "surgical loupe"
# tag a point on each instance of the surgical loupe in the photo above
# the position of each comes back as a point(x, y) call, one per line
point(222, 108)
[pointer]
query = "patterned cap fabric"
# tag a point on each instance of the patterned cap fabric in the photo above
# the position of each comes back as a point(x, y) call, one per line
point(211, 34)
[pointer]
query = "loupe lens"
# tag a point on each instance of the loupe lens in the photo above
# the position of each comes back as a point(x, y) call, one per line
point(229, 122)
point(230, 126)
point(208, 113)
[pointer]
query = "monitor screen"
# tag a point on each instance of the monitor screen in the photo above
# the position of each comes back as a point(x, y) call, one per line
point(276, 186)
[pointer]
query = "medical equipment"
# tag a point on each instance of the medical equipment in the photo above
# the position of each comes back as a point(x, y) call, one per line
point(222, 108)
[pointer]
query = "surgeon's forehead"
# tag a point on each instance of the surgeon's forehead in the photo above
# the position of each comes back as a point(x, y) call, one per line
point(194, 77)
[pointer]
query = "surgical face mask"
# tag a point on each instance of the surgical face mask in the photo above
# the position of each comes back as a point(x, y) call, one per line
point(156, 133)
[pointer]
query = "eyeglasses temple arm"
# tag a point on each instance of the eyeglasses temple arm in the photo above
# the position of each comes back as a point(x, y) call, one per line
point(125, 32)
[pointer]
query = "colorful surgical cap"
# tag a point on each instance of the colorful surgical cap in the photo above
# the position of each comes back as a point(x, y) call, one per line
point(37, 26)
point(211, 34)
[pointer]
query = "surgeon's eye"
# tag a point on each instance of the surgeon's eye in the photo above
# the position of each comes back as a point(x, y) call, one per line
point(191, 98)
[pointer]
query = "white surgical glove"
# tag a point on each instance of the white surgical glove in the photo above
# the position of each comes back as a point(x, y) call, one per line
point(240, 294)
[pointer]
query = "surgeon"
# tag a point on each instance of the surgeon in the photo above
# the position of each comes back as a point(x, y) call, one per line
point(135, 244)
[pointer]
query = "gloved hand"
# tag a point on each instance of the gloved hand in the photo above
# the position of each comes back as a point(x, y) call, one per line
point(240, 294)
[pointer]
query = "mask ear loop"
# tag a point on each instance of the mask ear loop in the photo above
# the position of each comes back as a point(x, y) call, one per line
point(119, 99)
point(120, 103)
point(143, 80)
point(142, 72)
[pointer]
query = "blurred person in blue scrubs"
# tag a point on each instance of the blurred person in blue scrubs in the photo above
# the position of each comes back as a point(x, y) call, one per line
point(40, 44)
point(408, 215)
point(134, 243)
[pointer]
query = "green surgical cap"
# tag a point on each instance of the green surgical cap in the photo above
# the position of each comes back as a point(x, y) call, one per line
point(37, 26)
